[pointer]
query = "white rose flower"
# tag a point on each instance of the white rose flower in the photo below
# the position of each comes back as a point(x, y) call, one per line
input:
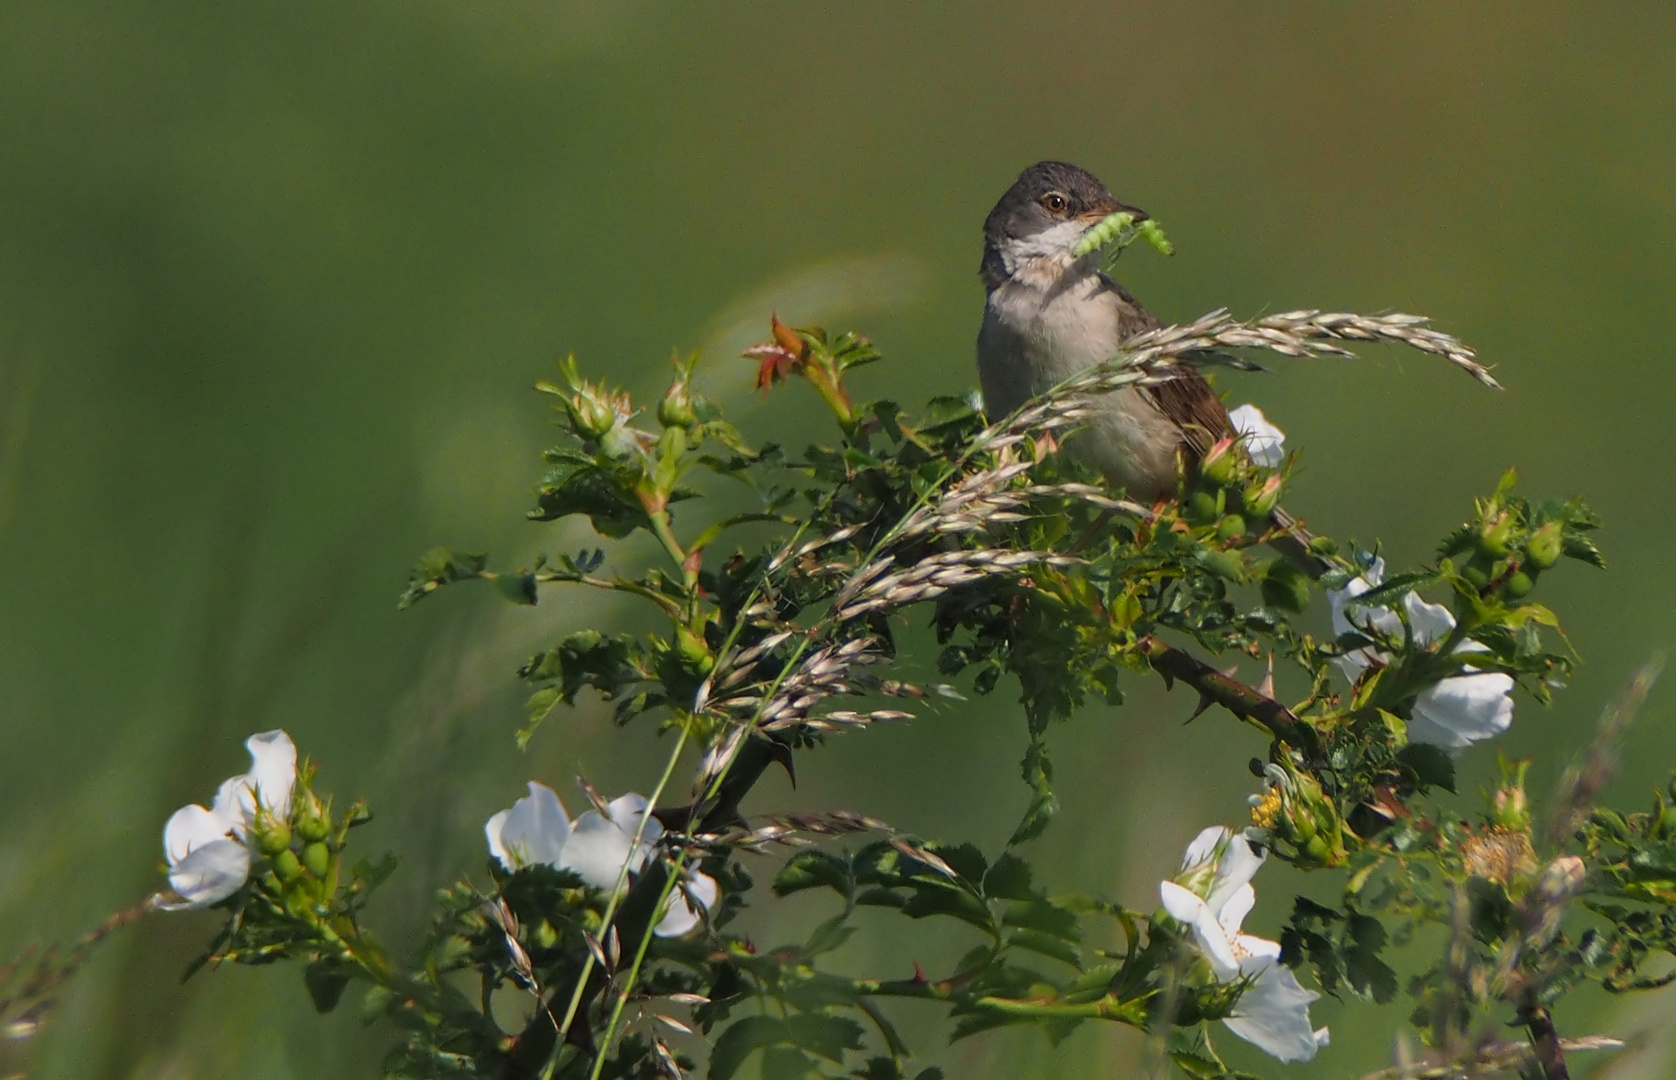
point(1454, 713)
point(209, 850)
point(1212, 896)
point(1263, 441)
point(535, 831)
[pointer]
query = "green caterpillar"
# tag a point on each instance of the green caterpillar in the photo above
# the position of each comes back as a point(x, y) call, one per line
point(1122, 229)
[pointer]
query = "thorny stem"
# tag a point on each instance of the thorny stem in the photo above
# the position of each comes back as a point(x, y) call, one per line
point(1550, 1054)
point(1215, 688)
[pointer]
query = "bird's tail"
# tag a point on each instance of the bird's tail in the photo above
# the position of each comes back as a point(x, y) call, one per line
point(1293, 542)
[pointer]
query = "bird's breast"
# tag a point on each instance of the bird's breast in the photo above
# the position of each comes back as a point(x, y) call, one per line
point(1035, 337)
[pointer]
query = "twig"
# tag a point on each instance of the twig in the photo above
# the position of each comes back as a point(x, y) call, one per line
point(1215, 688)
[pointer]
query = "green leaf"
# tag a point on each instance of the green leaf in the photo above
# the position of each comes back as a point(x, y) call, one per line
point(829, 935)
point(1432, 766)
point(1582, 549)
point(438, 567)
point(964, 859)
point(1392, 589)
point(787, 1063)
point(1009, 879)
point(936, 898)
point(1037, 769)
point(1047, 945)
point(326, 981)
point(812, 870)
point(824, 1034)
point(740, 1040)
point(1043, 916)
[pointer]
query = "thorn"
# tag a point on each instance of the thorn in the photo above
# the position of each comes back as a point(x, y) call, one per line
point(919, 974)
point(1205, 702)
point(781, 753)
point(1266, 687)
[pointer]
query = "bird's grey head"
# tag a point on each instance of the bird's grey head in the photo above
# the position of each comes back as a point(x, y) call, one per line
point(1041, 218)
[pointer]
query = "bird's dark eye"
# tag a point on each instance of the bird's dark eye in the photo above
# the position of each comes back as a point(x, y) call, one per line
point(1055, 203)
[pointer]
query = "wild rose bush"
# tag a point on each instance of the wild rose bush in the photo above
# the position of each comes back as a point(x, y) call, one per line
point(781, 583)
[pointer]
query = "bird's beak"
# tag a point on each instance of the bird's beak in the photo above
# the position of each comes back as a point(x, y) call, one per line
point(1111, 206)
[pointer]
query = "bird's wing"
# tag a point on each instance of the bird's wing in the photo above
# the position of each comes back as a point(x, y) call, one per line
point(1190, 403)
point(1187, 398)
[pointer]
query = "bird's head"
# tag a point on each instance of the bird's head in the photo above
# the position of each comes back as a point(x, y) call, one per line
point(1040, 219)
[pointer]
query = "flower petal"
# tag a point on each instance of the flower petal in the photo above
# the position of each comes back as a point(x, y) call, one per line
point(1234, 910)
point(598, 849)
point(1203, 849)
point(532, 832)
point(1240, 863)
point(1263, 441)
point(681, 916)
point(1186, 907)
point(190, 828)
point(208, 874)
point(1462, 710)
point(1429, 622)
point(273, 769)
point(628, 811)
point(272, 775)
point(1273, 1012)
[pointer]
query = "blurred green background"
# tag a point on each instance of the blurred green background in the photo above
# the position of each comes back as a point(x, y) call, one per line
point(274, 281)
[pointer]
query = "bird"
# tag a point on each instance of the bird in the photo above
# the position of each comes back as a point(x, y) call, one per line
point(1050, 315)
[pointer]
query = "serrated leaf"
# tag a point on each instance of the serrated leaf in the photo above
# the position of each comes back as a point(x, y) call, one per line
point(1009, 879)
point(1431, 765)
point(812, 870)
point(935, 898)
point(326, 981)
point(740, 1040)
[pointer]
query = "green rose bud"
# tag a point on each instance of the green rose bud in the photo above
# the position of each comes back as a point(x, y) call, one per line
point(312, 827)
point(1495, 538)
point(1220, 465)
point(1204, 507)
point(1231, 527)
point(1518, 585)
point(1545, 546)
point(287, 867)
point(1261, 499)
point(1477, 571)
point(317, 859)
point(676, 408)
point(274, 839)
point(694, 653)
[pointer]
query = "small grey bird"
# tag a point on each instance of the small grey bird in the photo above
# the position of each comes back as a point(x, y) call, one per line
point(1050, 316)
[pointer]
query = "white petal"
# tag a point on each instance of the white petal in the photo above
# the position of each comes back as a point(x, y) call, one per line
point(1203, 849)
point(235, 801)
point(680, 916)
point(1185, 907)
point(598, 849)
point(1462, 710)
point(1352, 664)
point(493, 831)
point(1234, 910)
point(628, 811)
point(1429, 622)
point(209, 874)
point(273, 769)
point(1252, 948)
point(1263, 441)
point(272, 775)
point(190, 828)
point(1239, 865)
point(533, 832)
point(1273, 1013)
